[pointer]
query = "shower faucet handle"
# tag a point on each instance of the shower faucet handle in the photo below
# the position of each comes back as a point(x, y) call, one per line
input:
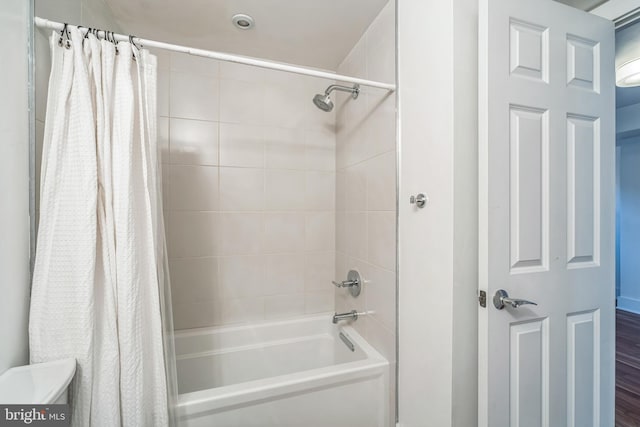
point(353, 282)
point(345, 283)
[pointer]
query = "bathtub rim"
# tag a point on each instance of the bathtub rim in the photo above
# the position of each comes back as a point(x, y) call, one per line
point(208, 400)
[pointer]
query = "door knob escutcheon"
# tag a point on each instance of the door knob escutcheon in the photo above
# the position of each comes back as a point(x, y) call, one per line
point(419, 200)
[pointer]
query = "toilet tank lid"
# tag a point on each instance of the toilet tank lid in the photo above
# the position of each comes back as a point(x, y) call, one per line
point(39, 383)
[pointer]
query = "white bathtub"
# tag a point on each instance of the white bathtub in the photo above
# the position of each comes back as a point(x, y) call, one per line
point(279, 374)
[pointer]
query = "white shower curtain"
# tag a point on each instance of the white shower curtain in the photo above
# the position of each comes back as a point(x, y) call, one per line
point(98, 283)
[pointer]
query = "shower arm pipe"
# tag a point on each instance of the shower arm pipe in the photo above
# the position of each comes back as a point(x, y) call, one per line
point(271, 65)
point(342, 88)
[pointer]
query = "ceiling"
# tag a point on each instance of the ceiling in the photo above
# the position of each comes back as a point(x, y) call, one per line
point(315, 33)
point(583, 4)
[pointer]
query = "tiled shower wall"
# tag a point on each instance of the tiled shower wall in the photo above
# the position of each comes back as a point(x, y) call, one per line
point(366, 188)
point(249, 192)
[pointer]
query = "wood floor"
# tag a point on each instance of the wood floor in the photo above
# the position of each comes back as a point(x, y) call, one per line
point(627, 369)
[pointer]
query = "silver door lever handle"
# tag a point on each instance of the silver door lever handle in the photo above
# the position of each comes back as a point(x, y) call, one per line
point(501, 298)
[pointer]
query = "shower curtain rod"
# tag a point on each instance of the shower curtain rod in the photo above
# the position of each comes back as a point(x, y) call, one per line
point(58, 26)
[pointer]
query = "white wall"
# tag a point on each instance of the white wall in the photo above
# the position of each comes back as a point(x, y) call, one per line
point(425, 78)
point(629, 224)
point(628, 207)
point(437, 48)
point(14, 183)
point(249, 192)
point(627, 122)
point(366, 189)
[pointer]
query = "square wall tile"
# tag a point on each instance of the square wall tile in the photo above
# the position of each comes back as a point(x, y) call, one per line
point(241, 145)
point(320, 191)
point(284, 148)
point(192, 234)
point(194, 96)
point(320, 150)
point(193, 188)
point(381, 295)
point(351, 134)
point(287, 105)
point(285, 190)
point(281, 306)
point(380, 128)
point(355, 229)
point(381, 182)
point(241, 189)
point(242, 276)
point(284, 274)
point(241, 233)
point(242, 310)
point(320, 231)
point(241, 102)
point(284, 232)
point(193, 142)
point(195, 315)
point(382, 239)
point(319, 271)
point(319, 301)
point(194, 280)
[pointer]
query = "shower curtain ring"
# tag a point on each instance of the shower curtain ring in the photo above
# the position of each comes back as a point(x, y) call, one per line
point(62, 34)
point(65, 33)
point(86, 34)
point(112, 38)
point(133, 51)
point(133, 43)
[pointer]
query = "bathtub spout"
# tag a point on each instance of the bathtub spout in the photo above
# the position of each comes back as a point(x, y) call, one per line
point(353, 314)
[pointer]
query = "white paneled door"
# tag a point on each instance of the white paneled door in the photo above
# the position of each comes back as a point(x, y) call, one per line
point(547, 150)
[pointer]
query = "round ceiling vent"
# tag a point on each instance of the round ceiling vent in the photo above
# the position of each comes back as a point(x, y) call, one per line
point(242, 21)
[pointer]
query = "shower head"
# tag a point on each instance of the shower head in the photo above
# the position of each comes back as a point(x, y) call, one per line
point(324, 102)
